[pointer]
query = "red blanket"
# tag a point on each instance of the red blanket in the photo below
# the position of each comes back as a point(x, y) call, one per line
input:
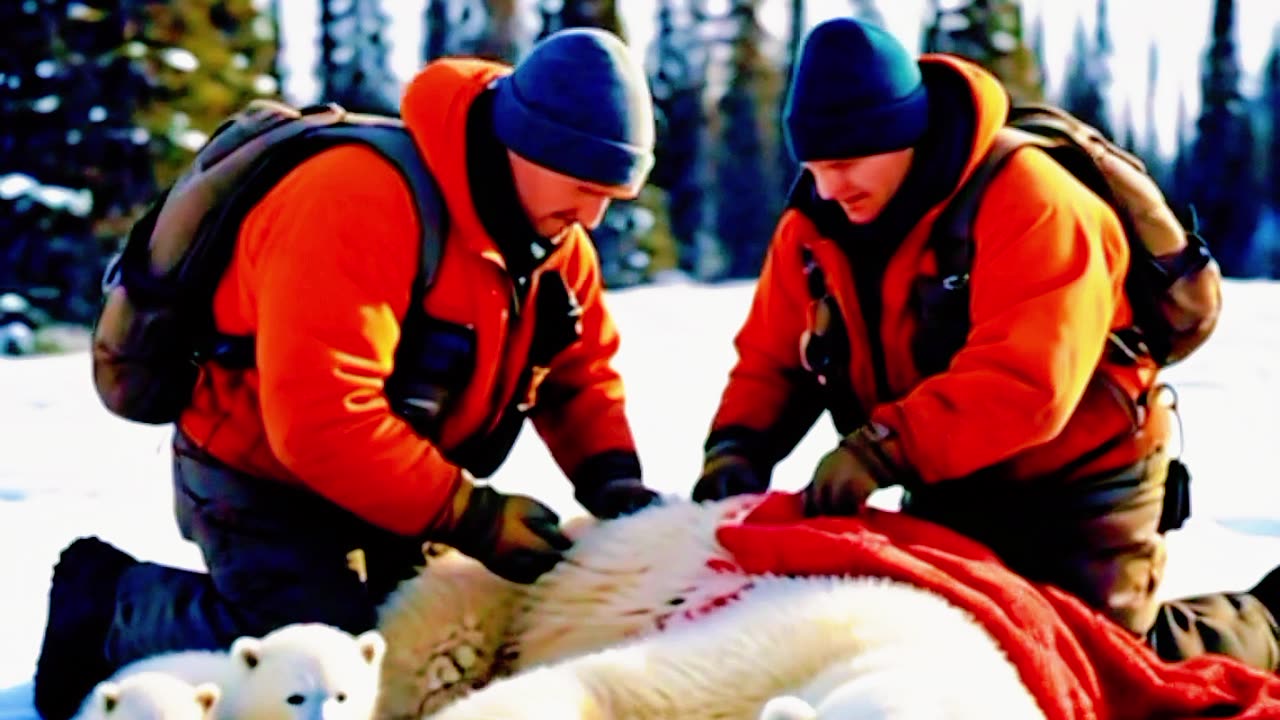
point(1076, 663)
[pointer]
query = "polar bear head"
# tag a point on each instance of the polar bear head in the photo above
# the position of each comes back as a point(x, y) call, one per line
point(305, 671)
point(150, 696)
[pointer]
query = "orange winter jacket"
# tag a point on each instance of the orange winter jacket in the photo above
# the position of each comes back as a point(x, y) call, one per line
point(1031, 392)
point(321, 275)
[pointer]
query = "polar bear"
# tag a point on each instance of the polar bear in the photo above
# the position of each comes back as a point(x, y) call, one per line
point(648, 617)
point(852, 647)
point(149, 696)
point(457, 626)
point(300, 671)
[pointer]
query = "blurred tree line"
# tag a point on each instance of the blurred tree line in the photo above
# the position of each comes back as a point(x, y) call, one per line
point(102, 102)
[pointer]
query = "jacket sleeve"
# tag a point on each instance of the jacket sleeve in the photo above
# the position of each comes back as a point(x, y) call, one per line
point(1046, 289)
point(581, 404)
point(332, 262)
point(769, 401)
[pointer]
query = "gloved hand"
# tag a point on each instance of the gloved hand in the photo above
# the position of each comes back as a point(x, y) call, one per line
point(615, 498)
point(514, 536)
point(724, 474)
point(846, 476)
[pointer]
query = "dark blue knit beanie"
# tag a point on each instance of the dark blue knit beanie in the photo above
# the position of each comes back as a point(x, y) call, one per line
point(579, 105)
point(856, 92)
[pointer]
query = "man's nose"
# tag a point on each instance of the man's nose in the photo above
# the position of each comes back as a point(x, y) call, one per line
point(591, 212)
point(829, 184)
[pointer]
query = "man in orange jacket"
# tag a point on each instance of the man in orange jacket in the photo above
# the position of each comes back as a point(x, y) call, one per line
point(283, 470)
point(1032, 438)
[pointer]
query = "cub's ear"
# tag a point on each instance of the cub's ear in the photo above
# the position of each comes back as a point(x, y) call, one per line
point(108, 696)
point(247, 650)
point(207, 695)
point(372, 646)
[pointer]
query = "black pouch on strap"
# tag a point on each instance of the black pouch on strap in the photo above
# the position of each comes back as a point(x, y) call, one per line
point(1177, 497)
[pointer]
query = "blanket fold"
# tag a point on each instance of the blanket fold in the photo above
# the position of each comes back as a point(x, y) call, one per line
point(1075, 662)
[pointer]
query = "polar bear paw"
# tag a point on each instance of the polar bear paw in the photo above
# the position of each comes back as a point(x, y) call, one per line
point(445, 630)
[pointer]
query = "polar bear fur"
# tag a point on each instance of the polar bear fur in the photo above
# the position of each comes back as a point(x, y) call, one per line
point(445, 630)
point(298, 672)
point(149, 696)
point(648, 617)
point(456, 626)
point(853, 647)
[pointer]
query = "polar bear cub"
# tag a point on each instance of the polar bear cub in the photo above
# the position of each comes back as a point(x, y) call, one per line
point(846, 647)
point(149, 696)
point(298, 672)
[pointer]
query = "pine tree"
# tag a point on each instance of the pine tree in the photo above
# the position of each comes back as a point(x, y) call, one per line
point(205, 59)
point(1179, 187)
point(1037, 51)
point(473, 28)
point(1224, 186)
point(1271, 98)
point(496, 27)
point(1269, 115)
point(353, 67)
point(866, 11)
point(787, 167)
point(435, 29)
point(1089, 75)
point(1128, 131)
point(1151, 155)
point(73, 167)
point(677, 67)
point(122, 94)
point(988, 32)
point(747, 200)
point(561, 14)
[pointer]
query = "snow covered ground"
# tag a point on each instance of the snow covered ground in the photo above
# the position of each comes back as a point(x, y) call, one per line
point(68, 468)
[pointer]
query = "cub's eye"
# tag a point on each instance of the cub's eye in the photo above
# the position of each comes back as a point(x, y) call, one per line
point(341, 697)
point(296, 699)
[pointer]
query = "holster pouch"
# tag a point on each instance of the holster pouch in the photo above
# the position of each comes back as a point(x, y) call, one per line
point(1177, 497)
point(434, 362)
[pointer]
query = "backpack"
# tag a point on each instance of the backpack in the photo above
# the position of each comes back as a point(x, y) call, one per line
point(1175, 299)
point(155, 328)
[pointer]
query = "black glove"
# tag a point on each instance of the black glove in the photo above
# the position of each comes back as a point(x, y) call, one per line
point(514, 536)
point(726, 473)
point(846, 476)
point(615, 498)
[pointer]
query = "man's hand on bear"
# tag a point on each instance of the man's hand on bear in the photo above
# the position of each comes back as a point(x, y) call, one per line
point(727, 472)
point(616, 498)
point(515, 536)
point(865, 460)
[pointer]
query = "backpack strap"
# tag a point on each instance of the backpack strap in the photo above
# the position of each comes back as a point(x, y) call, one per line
point(394, 142)
point(390, 139)
point(952, 238)
point(824, 352)
point(942, 301)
